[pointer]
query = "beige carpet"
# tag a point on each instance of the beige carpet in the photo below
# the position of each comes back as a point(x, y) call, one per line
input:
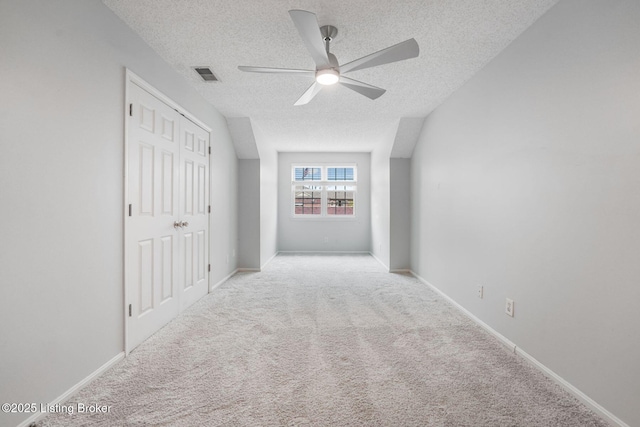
point(325, 340)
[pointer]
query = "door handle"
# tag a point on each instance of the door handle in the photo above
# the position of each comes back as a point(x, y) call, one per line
point(184, 224)
point(176, 224)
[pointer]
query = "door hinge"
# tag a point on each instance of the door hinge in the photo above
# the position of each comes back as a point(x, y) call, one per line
point(209, 268)
point(209, 149)
point(209, 208)
point(131, 110)
point(129, 310)
point(130, 209)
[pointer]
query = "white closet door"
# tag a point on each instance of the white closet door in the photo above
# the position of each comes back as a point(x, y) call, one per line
point(194, 201)
point(152, 241)
point(167, 227)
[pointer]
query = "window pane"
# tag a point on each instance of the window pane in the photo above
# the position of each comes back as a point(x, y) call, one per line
point(308, 199)
point(307, 174)
point(340, 200)
point(340, 174)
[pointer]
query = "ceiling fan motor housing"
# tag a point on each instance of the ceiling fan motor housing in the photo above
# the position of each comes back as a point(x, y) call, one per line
point(333, 61)
point(328, 76)
point(331, 74)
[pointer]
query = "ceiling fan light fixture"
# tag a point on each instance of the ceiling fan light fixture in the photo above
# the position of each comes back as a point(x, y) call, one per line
point(327, 77)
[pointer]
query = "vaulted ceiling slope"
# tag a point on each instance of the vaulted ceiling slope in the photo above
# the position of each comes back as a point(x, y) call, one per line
point(456, 39)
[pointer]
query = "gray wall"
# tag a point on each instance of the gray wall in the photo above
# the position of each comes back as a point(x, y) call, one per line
point(62, 80)
point(526, 181)
point(248, 213)
point(400, 232)
point(309, 234)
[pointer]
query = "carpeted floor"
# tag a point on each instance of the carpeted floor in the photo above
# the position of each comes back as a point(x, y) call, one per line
point(324, 340)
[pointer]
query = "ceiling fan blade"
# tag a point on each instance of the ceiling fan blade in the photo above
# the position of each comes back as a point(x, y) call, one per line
point(309, 94)
point(276, 70)
point(401, 51)
point(307, 25)
point(367, 90)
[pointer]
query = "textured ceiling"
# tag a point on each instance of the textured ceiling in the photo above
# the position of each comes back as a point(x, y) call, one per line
point(456, 39)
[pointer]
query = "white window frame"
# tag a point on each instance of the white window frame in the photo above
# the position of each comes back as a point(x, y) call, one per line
point(324, 183)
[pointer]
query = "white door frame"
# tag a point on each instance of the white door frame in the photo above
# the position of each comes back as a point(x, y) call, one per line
point(133, 79)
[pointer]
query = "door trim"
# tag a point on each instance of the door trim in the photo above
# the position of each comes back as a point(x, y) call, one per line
point(132, 78)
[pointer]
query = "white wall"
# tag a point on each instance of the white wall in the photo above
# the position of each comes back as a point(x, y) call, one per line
point(258, 208)
point(400, 218)
point(249, 213)
point(62, 79)
point(268, 198)
point(268, 204)
point(303, 234)
point(526, 181)
point(224, 204)
point(380, 205)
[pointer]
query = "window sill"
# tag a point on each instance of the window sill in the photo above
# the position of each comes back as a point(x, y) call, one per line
point(322, 218)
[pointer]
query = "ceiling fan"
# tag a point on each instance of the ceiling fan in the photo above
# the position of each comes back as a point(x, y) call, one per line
point(328, 71)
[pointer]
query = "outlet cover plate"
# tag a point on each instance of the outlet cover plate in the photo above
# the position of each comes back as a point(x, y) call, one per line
point(508, 308)
point(480, 291)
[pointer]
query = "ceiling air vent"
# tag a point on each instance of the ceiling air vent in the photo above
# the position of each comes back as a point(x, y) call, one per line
point(206, 74)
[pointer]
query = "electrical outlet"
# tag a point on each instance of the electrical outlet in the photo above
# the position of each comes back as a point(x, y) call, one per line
point(227, 259)
point(508, 308)
point(480, 291)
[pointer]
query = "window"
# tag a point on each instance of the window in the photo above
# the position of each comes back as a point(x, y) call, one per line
point(323, 191)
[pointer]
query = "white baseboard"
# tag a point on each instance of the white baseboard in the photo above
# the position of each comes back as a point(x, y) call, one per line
point(574, 391)
point(380, 261)
point(212, 287)
point(400, 270)
point(324, 252)
point(240, 270)
point(589, 402)
point(269, 260)
point(73, 390)
point(511, 346)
